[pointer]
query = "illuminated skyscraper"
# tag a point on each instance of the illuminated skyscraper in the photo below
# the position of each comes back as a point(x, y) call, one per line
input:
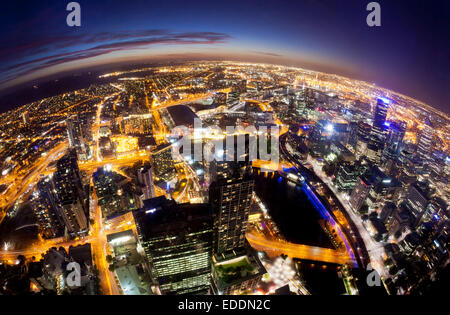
point(362, 140)
point(231, 200)
point(70, 194)
point(360, 192)
point(112, 199)
point(424, 141)
point(162, 162)
point(231, 195)
point(372, 188)
point(45, 208)
point(177, 240)
point(76, 137)
point(378, 132)
point(394, 139)
point(145, 179)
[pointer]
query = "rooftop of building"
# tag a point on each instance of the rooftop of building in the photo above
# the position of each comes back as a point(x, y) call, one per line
point(237, 269)
point(182, 115)
point(160, 215)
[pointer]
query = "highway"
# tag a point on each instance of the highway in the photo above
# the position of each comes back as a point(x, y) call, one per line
point(276, 247)
point(21, 185)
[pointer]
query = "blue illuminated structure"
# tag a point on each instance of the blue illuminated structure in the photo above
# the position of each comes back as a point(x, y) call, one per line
point(326, 215)
point(385, 100)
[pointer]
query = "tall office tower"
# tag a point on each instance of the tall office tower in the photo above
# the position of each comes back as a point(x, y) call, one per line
point(231, 200)
point(112, 200)
point(417, 200)
point(45, 208)
point(300, 103)
point(378, 133)
point(424, 141)
point(319, 137)
point(162, 162)
point(76, 137)
point(177, 240)
point(373, 189)
point(353, 134)
point(310, 99)
point(71, 197)
point(145, 179)
point(388, 212)
point(347, 176)
point(360, 192)
point(230, 194)
point(394, 139)
point(385, 188)
point(362, 140)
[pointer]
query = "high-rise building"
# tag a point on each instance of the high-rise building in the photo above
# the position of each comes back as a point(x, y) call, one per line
point(235, 267)
point(362, 140)
point(378, 132)
point(162, 162)
point(388, 212)
point(45, 208)
point(370, 188)
point(145, 179)
point(424, 141)
point(353, 134)
point(417, 200)
point(386, 188)
point(231, 200)
point(177, 240)
point(360, 192)
point(319, 137)
point(230, 194)
point(394, 139)
point(75, 133)
point(112, 199)
point(347, 176)
point(71, 197)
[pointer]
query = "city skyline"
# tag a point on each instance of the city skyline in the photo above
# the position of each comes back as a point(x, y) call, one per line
point(321, 35)
point(248, 148)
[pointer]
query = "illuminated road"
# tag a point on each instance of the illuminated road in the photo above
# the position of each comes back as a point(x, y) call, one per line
point(98, 241)
point(22, 185)
point(275, 247)
point(99, 248)
point(375, 250)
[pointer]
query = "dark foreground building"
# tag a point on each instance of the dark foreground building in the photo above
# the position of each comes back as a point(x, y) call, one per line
point(177, 239)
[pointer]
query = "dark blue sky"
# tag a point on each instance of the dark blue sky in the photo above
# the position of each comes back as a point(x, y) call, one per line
point(409, 53)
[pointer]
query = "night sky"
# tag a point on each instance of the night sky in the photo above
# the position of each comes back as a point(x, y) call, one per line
point(409, 53)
